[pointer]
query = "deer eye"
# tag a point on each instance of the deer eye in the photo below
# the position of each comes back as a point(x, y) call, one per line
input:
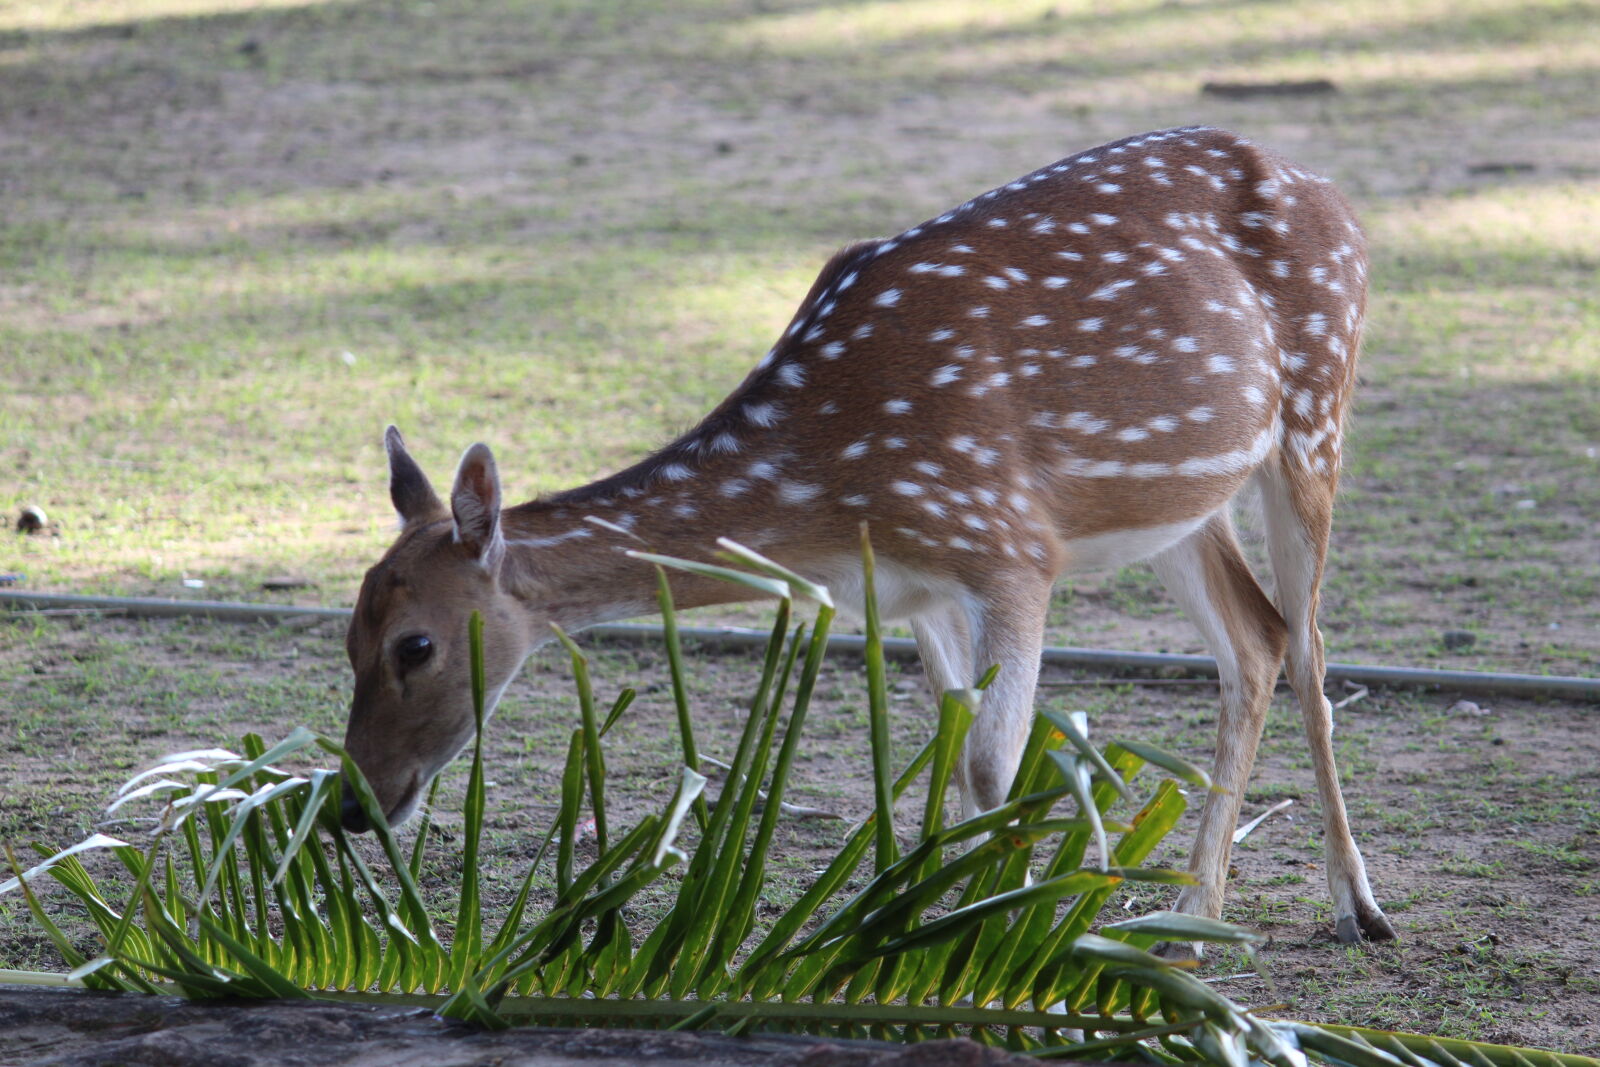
point(414, 650)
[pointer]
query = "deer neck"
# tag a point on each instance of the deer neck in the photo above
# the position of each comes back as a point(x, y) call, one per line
point(569, 560)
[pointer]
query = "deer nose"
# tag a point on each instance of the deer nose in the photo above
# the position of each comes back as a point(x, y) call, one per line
point(350, 814)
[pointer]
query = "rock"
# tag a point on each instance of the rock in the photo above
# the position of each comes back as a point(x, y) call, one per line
point(78, 1029)
point(32, 520)
point(1458, 640)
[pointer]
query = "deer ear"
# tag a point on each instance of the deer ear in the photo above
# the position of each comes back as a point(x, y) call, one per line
point(475, 502)
point(409, 489)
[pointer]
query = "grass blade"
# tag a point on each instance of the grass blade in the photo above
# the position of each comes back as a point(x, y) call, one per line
point(467, 946)
point(680, 692)
point(886, 847)
point(594, 758)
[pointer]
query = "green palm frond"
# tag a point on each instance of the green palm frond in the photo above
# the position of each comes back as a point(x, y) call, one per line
point(990, 926)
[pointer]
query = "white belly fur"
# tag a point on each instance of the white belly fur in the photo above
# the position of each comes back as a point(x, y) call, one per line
point(1111, 550)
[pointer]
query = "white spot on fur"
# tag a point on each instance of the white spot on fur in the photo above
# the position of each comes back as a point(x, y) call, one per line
point(675, 472)
point(1084, 422)
point(1110, 290)
point(797, 492)
point(762, 414)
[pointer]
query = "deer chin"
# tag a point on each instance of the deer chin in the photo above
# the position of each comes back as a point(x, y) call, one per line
point(410, 798)
point(355, 820)
point(407, 805)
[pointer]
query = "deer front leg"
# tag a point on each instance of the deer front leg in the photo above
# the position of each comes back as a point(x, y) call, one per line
point(944, 644)
point(1010, 634)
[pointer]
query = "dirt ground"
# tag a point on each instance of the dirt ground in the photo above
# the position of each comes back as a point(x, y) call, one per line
point(1480, 821)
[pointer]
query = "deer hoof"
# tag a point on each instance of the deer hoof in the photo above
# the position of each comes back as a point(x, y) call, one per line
point(1180, 953)
point(1365, 925)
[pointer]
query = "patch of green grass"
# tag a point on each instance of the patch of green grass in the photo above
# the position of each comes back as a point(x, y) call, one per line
point(1473, 867)
point(441, 215)
point(1562, 854)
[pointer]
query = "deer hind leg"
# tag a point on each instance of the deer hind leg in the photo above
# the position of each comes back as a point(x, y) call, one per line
point(1010, 634)
point(1298, 514)
point(1208, 576)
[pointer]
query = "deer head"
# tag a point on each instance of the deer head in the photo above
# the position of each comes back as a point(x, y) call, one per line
point(412, 709)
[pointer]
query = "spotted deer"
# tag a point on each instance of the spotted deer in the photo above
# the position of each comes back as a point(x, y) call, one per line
point(1077, 370)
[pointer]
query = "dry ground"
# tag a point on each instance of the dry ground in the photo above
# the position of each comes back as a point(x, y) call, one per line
point(1481, 826)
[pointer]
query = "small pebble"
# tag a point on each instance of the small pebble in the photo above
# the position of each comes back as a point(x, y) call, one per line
point(32, 520)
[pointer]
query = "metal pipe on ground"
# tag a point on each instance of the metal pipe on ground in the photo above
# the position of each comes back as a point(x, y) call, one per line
point(733, 637)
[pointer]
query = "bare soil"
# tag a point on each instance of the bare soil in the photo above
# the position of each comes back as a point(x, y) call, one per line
point(1480, 821)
